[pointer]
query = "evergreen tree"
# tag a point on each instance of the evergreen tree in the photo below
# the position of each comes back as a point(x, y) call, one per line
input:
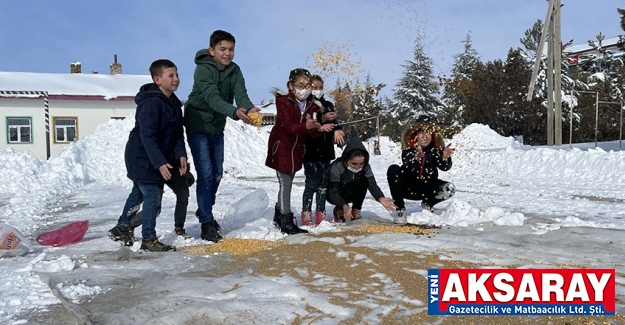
point(621, 42)
point(532, 39)
point(462, 72)
point(521, 118)
point(342, 96)
point(466, 61)
point(482, 96)
point(604, 71)
point(530, 49)
point(366, 106)
point(414, 94)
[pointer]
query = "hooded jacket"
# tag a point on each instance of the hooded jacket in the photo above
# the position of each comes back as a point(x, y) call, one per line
point(427, 169)
point(340, 176)
point(157, 137)
point(322, 148)
point(286, 141)
point(214, 90)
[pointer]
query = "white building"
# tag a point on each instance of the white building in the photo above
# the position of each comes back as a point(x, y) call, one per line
point(44, 112)
point(576, 53)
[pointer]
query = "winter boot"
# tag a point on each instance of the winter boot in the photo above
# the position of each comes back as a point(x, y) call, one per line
point(182, 232)
point(356, 214)
point(307, 218)
point(400, 219)
point(153, 245)
point(276, 218)
point(338, 214)
point(123, 235)
point(288, 225)
point(209, 232)
point(217, 226)
point(320, 216)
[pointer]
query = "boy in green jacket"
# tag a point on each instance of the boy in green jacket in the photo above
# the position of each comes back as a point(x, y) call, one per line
point(217, 82)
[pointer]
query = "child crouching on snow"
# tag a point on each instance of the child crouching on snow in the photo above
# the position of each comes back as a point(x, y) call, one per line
point(423, 154)
point(350, 178)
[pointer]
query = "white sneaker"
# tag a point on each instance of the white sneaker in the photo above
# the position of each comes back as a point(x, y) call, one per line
point(400, 218)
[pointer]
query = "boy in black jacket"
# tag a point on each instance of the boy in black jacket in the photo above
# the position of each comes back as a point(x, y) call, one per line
point(155, 144)
point(319, 153)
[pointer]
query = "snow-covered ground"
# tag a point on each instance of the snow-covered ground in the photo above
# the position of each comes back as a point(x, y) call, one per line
point(515, 205)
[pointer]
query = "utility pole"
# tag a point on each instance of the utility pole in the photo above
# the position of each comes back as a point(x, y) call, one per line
point(557, 62)
point(554, 76)
point(550, 91)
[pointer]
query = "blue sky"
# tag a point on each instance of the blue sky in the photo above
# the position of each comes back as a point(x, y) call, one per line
point(274, 36)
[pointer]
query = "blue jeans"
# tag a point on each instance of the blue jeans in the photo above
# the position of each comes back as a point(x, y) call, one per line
point(317, 174)
point(208, 157)
point(178, 185)
point(150, 195)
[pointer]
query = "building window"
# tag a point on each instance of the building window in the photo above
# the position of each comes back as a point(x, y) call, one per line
point(19, 129)
point(65, 129)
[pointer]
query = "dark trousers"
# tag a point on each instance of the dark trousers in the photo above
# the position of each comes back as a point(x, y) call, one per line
point(317, 174)
point(353, 193)
point(178, 185)
point(404, 187)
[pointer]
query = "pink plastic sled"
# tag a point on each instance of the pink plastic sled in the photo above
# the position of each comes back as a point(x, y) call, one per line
point(69, 234)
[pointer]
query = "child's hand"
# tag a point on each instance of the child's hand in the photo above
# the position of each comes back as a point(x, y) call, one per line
point(388, 203)
point(243, 116)
point(164, 169)
point(329, 116)
point(311, 123)
point(448, 151)
point(347, 213)
point(420, 153)
point(339, 137)
point(326, 128)
point(183, 165)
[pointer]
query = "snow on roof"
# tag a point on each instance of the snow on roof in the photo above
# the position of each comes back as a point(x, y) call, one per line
point(77, 84)
point(585, 47)
point(269, 108)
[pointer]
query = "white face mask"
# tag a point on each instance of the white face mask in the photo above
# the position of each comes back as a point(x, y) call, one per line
point(302, 94)
point(317, 93)
point(354, 170)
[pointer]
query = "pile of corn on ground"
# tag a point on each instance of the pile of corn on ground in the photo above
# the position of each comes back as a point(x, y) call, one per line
point(239, 246)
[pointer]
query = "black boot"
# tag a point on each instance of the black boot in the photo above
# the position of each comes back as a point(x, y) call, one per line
point(288, 225)
point(209, 232)
point(217, 226)
point(276, 218)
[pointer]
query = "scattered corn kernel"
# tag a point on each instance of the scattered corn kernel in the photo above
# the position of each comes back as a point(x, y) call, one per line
point(234, 246)
point(404, 229)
